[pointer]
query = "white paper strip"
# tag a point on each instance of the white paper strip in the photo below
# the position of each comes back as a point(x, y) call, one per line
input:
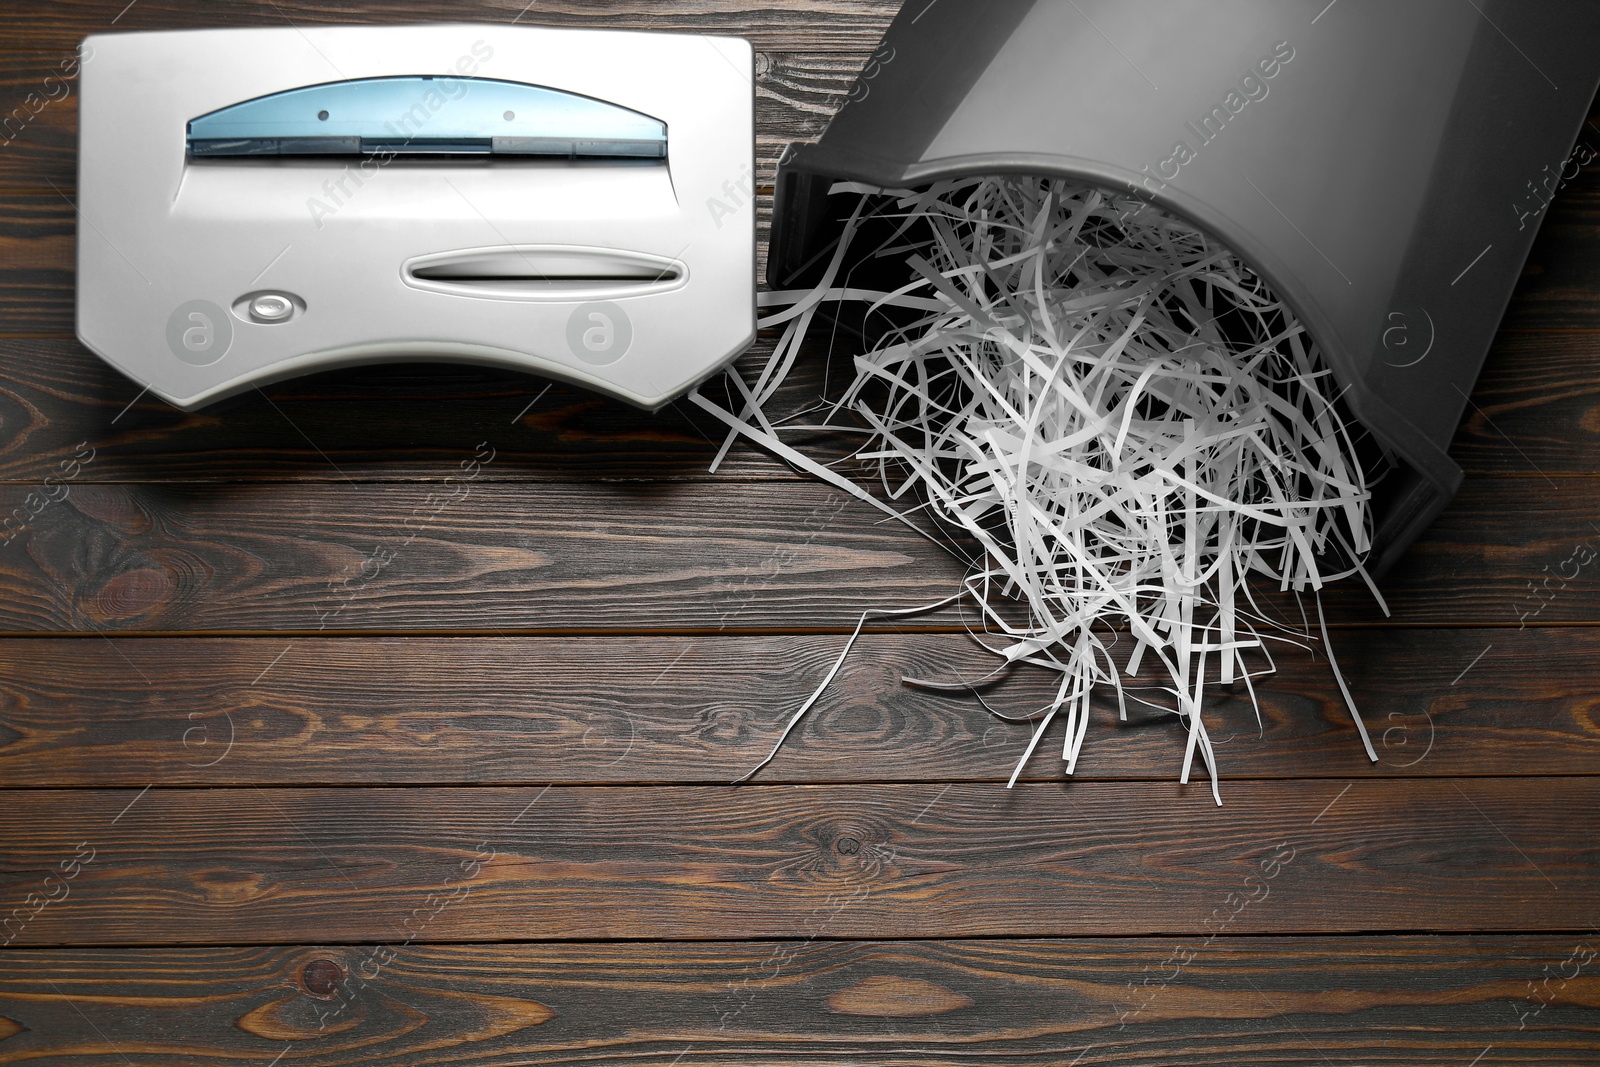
point(1117, 412)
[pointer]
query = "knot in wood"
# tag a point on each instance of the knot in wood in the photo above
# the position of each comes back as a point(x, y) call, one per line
point(321, 977)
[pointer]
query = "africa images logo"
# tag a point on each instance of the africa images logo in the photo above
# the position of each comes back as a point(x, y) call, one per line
point(599, 332)
point(199, 333)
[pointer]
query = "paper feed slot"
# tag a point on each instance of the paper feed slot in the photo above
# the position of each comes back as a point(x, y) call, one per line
point(427, 116)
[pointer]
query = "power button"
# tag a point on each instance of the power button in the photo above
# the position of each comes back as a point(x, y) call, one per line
point(271, 307)
point(268, 306)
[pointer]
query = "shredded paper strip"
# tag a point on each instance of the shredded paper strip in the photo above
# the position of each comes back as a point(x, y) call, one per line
point(1114, 408)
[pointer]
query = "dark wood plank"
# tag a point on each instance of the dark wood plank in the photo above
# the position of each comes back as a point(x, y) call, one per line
point(38, 120)
point(1279, 1001)
point(812, 25)
point(722, 556)
point(397, 422)
point(458, 555)
point(1461, 827)
point(1536, 408)
point(187, 711)
point(36, 264)
point(1512, 552)
point(237, 866)
point(796, 93)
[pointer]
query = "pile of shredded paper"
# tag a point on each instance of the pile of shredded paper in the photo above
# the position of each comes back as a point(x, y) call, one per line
point(1114, 408)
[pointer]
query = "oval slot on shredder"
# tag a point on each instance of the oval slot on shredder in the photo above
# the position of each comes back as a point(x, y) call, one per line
point(542, 271)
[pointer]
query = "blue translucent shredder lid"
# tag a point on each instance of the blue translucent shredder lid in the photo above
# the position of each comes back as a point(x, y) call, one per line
point(426, 114)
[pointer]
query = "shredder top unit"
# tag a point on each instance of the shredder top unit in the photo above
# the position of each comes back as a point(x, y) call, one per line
point(256, 204)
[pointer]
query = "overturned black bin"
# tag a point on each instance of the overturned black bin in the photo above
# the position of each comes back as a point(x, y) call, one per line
point(1383, 166)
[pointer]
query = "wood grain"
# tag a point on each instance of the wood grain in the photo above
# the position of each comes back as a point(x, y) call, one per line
point(36, 263)
point(237, 866)
point(458, 556)
point(1288, 1002)
point(1536, 408)
point(307, 711)
point(726, 556)
point(481, 816)
point(813, 25)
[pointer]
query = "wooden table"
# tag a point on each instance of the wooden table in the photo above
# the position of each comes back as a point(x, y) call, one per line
point(470, 805)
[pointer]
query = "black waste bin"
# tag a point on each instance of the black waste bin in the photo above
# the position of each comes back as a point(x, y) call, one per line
point(1382, 165)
